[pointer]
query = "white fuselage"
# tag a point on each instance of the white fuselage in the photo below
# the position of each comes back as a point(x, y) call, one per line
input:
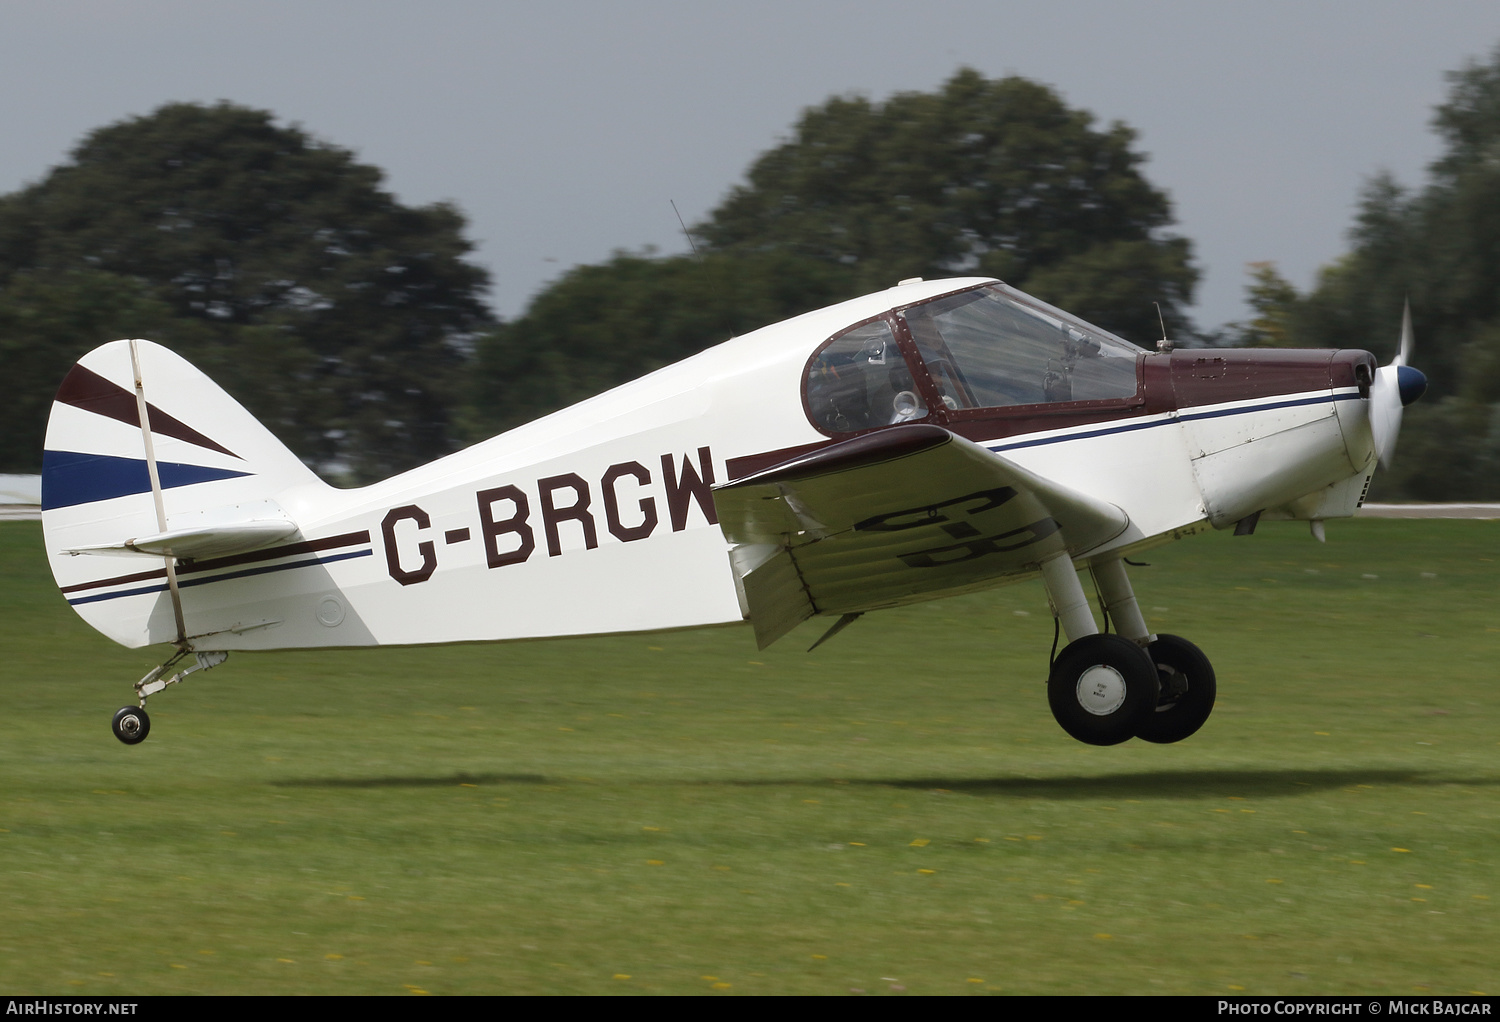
point(599, 518)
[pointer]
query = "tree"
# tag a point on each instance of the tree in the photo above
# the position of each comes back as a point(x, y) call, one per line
point(1274, 300)
point(992, 177)
point(45, 323)
point(344, 317)
point(600, 326)
point(997, 177)
point(1440, 248)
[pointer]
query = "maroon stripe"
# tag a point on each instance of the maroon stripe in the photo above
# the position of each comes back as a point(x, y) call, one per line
point(872, 448)
point(738, 468)
point(139, 576)
point(187, 567)
point(312, 545)
point(1210, 377)
point(1186, 379)
point(83, 388)
point(979, 425)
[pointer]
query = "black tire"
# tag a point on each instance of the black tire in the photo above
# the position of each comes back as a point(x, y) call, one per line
point(131, 725)
point(1187, 694)
point(1100, 689)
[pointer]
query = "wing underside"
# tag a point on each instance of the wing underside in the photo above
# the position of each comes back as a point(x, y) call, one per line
point(905, 514)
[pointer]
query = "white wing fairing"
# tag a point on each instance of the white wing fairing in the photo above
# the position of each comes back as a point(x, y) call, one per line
point(936, 438)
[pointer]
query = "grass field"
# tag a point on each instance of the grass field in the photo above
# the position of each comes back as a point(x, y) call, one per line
point(678, 813)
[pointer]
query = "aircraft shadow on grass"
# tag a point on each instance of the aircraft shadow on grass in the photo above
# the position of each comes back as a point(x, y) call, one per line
point(447, 781)
point(1259, 783)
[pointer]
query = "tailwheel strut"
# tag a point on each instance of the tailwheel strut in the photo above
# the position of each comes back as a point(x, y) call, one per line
point(131, 724)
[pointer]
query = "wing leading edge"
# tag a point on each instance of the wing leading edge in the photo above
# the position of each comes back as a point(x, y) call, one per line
point(908, 513)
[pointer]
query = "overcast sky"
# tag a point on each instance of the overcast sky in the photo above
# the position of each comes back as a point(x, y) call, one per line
point(563, 129)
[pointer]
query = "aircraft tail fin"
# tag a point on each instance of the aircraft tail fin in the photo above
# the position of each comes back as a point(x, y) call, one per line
point(148, 461)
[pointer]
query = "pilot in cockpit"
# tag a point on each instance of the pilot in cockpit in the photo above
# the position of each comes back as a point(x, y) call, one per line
point(861, 381)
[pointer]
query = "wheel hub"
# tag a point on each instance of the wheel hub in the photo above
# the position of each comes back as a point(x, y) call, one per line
point(1101, 690)
point(1174, 685)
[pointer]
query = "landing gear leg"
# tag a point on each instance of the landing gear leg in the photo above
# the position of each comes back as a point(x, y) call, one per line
point(131, 725)
point(1119, 601)
point(1101, 686)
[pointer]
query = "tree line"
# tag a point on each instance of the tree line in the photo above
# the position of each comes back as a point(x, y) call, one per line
point(357, 329)
point(1439, 247)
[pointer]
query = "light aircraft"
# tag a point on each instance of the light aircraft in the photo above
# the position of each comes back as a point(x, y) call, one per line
point(939, 437)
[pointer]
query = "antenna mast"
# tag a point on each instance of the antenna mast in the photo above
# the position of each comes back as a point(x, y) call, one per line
point(691, 244)
point(696, 255)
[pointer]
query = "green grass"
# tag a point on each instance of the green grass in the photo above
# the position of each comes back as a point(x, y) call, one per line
point(679, 813)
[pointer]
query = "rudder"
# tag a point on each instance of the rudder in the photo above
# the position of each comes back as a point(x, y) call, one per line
point(121, 499)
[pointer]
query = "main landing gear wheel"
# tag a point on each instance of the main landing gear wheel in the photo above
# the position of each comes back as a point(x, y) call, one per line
point(1187, 691)
point(131, 725)
point(1101, 688)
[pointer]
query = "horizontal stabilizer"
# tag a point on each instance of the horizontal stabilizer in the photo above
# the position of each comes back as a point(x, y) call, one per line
point(211, 541)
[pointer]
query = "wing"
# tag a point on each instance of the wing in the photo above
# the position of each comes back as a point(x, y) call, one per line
point(905, 514)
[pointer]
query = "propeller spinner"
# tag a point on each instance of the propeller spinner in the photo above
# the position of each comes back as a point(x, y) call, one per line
point(1395, 386)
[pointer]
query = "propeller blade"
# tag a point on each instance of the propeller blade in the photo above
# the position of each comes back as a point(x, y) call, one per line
point(1385, 412)
point(1395, 386)
point(1403, 354)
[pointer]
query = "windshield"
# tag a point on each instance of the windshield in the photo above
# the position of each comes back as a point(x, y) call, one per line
point(993, 347)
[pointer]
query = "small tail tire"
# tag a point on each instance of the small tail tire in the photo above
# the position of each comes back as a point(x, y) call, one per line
point(1187, 694)
point(131, 725)
point(1101, 688)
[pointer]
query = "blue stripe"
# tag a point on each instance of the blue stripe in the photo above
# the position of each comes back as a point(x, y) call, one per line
point(1188, 417)
point(1267, 407)
point(222, 578)
point(115, 596)
point(70, 478)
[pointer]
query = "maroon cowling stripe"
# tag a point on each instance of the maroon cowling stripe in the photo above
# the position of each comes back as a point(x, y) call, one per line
point(83, 388)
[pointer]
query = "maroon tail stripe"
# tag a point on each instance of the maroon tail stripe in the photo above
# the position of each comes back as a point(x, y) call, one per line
point(187, 567)
point(327, 543)
point(139, 576)
point(83, 388)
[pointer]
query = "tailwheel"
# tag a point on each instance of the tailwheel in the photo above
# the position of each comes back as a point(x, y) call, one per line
point(131, 724)
point(1187, 691)
point(1101, 688)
